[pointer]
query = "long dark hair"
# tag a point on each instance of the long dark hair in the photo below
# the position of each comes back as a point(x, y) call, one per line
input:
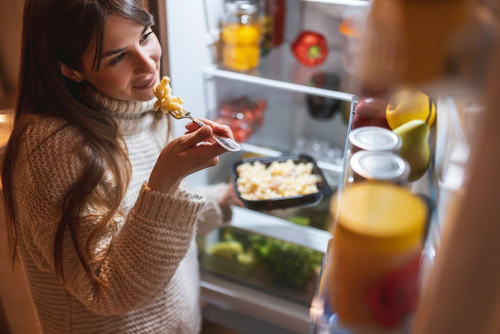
point(54, 32)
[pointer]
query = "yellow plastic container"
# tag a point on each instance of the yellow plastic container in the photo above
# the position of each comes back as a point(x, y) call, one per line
point(373, 270)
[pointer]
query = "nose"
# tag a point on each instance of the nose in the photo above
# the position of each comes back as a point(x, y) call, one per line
point(147, 60)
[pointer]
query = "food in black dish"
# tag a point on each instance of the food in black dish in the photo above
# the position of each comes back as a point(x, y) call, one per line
point(285, 201)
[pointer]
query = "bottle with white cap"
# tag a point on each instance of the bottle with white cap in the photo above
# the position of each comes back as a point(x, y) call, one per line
point(372, 139)
point(379, 166)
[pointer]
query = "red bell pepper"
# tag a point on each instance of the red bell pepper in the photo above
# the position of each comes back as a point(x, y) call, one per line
point(310, 48)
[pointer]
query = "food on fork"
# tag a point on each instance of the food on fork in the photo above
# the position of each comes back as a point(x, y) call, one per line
point(173, 105)
point(166, 101)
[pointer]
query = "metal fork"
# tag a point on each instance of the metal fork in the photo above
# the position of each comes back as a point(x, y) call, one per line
point(227, 143)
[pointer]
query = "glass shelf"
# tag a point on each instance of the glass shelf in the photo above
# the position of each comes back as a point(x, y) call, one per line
point(281, 70)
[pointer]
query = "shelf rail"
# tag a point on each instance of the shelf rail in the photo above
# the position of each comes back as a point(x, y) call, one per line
point(293, 87)
point(273, 153)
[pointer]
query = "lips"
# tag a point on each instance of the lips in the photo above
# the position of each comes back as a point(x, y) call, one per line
point(148, 83)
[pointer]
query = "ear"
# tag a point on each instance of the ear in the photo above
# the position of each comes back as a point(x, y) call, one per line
point(70, 73)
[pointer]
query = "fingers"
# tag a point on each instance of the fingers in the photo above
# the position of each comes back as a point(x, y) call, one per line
point(203, 156)
point(238, 202)
point(207, 150)
point(192, 139)
point(219, 129)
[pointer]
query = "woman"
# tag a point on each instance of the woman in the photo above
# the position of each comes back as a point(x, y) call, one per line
point(105, 233)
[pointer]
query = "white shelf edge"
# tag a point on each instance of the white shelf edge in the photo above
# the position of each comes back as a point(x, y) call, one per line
point(330, 167)
point(273, 153)
point(248, 301)
point(353, 3)
point(260, 150)
point(278, 84)
point(281, 229)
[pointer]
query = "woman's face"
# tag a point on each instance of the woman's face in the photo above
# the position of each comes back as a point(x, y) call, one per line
point(130, 62)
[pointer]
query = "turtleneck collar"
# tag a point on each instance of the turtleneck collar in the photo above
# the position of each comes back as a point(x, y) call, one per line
point(131, 116)
point(120, 109)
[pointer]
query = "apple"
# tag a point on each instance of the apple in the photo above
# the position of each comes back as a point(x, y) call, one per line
point(240, 135)
point(370, 112)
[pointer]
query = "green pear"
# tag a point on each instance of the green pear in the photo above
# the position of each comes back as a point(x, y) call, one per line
point(415, 148)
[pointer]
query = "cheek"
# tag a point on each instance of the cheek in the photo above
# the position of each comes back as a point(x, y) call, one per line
point(112, 82)
point(119, 78)
point(156, 50)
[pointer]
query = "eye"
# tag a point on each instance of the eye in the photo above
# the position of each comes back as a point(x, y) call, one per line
point(146, 36)
point(117, 59)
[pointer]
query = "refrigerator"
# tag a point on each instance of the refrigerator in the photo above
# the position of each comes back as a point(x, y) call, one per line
point(258, 298)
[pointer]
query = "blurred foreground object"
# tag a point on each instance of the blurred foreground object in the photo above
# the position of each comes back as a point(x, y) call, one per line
point(449, 47)
point(462, 294)
point(374, 269)
point(421, 42)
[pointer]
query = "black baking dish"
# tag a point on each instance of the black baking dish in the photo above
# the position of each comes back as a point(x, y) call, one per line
point(284, 202)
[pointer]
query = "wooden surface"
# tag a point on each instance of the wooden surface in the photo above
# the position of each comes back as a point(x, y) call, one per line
point(14, 293)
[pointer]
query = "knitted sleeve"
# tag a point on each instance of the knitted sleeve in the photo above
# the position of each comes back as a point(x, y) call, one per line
point(139, 253)
point(213, 214)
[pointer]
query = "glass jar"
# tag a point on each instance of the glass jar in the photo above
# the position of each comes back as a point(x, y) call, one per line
point(374, 138)
point(379, 166)
point(373, 270)
point(241, 36)
point(370, 138)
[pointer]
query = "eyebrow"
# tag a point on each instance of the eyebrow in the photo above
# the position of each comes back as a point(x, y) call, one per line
point(113, 52)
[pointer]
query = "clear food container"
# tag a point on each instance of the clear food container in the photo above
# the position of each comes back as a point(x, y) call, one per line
point(269, 265)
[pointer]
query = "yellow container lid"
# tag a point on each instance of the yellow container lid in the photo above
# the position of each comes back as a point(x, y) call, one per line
point(377, 210)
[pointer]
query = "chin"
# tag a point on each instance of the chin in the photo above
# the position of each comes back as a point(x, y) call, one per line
point(146, 96)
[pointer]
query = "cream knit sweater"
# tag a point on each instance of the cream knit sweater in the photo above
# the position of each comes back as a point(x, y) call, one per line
point(150, 265)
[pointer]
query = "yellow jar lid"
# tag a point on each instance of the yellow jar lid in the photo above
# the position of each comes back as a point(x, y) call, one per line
point(382, 211)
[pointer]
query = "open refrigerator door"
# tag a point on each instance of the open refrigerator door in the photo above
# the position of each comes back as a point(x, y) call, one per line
point(266, 271)
point(439, 53)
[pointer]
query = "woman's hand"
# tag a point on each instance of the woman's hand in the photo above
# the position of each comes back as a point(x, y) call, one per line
point(183, 156)
point(218, 129)
point(228, 197)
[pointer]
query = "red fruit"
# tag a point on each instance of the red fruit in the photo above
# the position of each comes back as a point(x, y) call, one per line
point(249, 116)
point(235, 124)
point(261, 104)
point(310, 48)
point(240, 135)
point(225, 110)
point(361, 120)
point(370, 112)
